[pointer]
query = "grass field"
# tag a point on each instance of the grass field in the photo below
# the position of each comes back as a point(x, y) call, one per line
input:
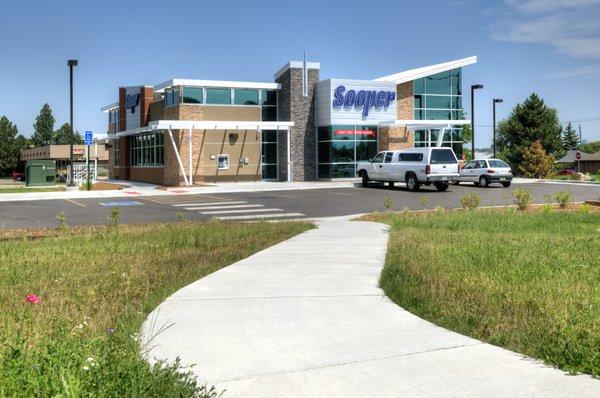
point(32, 189)
point(73, 300)
point(527, 281)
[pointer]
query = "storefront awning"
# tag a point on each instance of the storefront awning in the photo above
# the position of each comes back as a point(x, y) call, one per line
point(205, 125)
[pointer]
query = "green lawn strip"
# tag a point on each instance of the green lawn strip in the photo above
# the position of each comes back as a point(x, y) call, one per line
point(97, 285)
point(36, 189)
point(529, 282)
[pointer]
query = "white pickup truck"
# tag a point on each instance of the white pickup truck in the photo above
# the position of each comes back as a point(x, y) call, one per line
point(416, 166)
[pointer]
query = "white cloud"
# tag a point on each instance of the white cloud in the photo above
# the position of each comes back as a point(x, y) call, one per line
point(586, 70)
point(571, 27)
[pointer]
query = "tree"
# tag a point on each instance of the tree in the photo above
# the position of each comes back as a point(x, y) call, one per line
point(570, 138)
point(528, 122)
point(591, 147)
point(64, 135)
point(11, 144)
point(43, 127)
point(536, 162)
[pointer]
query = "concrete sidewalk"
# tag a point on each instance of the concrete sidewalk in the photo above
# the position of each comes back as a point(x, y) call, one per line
point(306, 318)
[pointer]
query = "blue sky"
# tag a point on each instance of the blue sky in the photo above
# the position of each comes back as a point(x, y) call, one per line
point(551, 47)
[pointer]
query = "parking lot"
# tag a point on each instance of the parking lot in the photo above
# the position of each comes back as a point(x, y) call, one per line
point(272, 205)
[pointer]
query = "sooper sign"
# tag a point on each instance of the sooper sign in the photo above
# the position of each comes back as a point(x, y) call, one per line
point(362, 99)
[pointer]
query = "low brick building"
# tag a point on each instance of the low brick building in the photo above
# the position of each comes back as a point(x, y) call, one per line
point(297, 128)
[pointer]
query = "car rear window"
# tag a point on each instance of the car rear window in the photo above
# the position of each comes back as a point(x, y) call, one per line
point(411, 157)
point(442, 156)
point(497, 163)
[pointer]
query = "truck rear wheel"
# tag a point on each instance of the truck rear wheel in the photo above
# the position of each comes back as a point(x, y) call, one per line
point(412, 183)
point(365, 179)
point(441, 186)
point(391, 184)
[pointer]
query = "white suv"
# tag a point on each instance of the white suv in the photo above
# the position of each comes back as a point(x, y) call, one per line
point(417, 166)
point(483, 172)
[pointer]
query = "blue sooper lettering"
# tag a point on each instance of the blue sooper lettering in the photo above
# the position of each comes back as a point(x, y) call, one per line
point(365, 99)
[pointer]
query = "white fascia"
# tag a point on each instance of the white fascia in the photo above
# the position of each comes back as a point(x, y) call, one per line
point(110, 107)
point(425, 71)
point(215, 83)
point(424, 124)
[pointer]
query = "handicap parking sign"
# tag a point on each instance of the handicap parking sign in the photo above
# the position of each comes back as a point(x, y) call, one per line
point(89, 138)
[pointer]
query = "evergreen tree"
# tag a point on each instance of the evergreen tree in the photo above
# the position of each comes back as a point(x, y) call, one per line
point(569, 138)
point(536, 162)
point(11, 144)
point(43, 127)
point(64, 135)
point(528, 122)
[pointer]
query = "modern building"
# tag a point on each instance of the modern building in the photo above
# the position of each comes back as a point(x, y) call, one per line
point(297, 128)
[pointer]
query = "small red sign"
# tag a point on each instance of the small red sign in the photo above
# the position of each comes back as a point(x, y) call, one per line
point(357, 132)
point(577, 155)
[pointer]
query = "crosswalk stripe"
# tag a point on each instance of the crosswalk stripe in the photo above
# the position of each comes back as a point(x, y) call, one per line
point(206, 204)
point(222, 207)
point(260, 216)
point(239, 211)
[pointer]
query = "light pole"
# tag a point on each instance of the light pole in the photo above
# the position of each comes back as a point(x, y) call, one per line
point(473, 88)
point(494, 102)
point(71, 63)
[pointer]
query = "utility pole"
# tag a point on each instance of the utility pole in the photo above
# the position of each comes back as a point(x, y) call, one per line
point(580, 134)
point(71, 63)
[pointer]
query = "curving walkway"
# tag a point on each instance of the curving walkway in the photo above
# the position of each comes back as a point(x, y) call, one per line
point(306, 318)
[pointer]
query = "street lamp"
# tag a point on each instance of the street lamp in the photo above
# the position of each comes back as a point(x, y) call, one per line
point(494, 102)
point(71, 63)
point(473, 88)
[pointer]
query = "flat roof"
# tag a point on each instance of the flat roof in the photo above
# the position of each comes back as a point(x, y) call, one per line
point(216, 83)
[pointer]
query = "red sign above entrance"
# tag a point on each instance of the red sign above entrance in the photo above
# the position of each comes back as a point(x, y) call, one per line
point(357, 132)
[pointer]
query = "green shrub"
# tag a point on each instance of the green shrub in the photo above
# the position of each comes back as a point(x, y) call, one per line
point(470, 201)
point(388, 203)
point(523, 198)
point(60, 217)
point(424, 200)
point(564, 199)
point(115, 216)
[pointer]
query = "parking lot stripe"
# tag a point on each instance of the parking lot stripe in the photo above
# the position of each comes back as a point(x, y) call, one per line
point(74, 202)
point(261, 216)
point(341, 193)
point(221, 207)
point(239, 211)
point(206, 203)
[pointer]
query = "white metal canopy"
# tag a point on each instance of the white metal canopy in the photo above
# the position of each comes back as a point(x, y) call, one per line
point(191, 125)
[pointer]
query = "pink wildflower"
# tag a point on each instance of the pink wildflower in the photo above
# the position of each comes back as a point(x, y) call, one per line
point(33, 298)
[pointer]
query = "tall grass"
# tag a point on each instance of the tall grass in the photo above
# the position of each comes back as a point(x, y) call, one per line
point(529, 282)
point(95, 287)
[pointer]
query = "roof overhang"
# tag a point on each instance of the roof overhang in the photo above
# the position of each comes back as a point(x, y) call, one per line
point(110, 107)
point(424, 124)
point(205, 125)
point(418, 73)
point(215, 83)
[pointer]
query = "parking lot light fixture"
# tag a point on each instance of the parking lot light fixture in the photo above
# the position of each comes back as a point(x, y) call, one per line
point(71, 63)
point(494, 102)
point(473, 88)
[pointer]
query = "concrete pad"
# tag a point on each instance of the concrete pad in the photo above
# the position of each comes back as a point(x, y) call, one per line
point(306, 317)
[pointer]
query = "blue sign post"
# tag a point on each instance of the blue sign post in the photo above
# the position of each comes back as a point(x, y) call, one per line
point(89, 140)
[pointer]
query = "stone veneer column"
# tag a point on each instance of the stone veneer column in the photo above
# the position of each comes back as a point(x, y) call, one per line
point(399, 137)
point(292, 106)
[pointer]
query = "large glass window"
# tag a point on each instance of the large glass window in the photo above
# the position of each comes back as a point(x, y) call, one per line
point(340, 147)
point(245, 97)
point(193, 95)
point(218, 96)
point(268, 97)
point(439, 97)
point(171, 97)
point(146, 149)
